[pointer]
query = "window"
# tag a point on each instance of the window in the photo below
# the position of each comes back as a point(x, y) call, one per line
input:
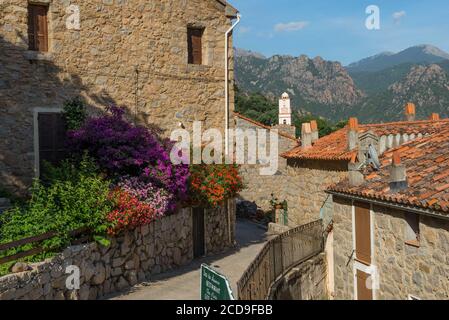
point(362, 233)
point(52, 132)
point(412, 233)
point(195, 45)
point(37, 27)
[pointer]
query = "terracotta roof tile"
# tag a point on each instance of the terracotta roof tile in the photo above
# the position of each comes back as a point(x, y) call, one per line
point(427, 164)
point(335, 145)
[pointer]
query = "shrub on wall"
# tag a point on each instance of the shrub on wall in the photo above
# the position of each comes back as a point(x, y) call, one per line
point(77, 197)
point(122, 149)
point(212, 184)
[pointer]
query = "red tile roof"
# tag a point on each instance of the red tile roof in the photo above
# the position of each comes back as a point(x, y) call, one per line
point(335, 145)
point(256, 123)
point(427, 164)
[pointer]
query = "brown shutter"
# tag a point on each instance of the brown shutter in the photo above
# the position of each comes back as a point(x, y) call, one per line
point(195, 46)
point(38, 28)
point(52, 138)
point(363, 232)
point(363, 292)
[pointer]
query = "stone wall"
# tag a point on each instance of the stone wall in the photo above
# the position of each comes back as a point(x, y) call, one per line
point(305, 282)
point(131, 53)
point(343, 247)
point(258, 187)
point(403, 270)
point(131, 258)
point(220, 227)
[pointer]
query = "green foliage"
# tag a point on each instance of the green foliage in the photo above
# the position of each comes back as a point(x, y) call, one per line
point(77, 197)
point(75, 114)
point(259, 108)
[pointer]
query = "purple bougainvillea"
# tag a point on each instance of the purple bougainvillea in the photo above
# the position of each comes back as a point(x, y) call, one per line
point(137, 153)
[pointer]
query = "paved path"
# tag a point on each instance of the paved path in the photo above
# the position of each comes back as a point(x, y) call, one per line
point(184, 283)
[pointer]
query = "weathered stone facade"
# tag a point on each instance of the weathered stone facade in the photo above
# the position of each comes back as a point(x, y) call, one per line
point(131, 53)
point(403, 269)
point(131, 258)
point(305, 282)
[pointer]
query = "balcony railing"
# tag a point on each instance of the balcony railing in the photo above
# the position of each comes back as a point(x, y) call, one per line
point(279, 256)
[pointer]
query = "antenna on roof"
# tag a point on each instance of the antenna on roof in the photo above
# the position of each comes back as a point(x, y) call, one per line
point(373, 158)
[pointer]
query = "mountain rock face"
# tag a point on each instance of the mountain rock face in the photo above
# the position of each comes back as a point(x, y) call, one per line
point(308, 81)
point(327, 89)
point(422, 54)
point(425, 85)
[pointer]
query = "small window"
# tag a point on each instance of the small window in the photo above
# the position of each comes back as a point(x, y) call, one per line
point(37, 27)
point(195, 45)
point(412, 234)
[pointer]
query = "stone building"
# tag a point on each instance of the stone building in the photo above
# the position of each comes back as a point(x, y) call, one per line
point(164, 60)
point(391, 225)
point(260, 187)
point(318, 163)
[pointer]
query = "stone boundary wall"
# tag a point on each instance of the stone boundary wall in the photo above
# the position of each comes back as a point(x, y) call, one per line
point(305, 282)
point(132, 257)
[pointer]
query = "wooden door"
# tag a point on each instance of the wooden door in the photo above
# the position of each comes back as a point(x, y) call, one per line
point(198, 232)
point(52, 138)
point(364, 290)
point(363, 233)
point(195, 45)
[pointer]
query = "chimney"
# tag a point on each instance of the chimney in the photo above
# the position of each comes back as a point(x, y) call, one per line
point(353, 134)
point(435, 117)
point(398, 174)
point(314, 128)
point(410, 112)
point(355, 176)
point(306, 135)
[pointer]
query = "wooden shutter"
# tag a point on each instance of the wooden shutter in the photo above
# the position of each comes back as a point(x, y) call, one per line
point(195, 46)
point(52, 138)
point(38, 27)
point(363, 233)
point(363, 292)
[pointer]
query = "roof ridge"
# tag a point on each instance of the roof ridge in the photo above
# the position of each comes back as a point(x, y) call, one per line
point(264, 126)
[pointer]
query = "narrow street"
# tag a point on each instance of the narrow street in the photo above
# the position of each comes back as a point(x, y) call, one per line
point(184, 283)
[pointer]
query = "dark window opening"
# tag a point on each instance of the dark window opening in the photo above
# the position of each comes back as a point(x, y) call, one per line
point(195, 45)
point(38, 27)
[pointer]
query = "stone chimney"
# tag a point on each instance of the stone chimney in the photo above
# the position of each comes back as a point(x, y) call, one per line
point(315, 132)
point(355, 176)
point(353, 134)
point(306, 135)
point(435, 117)
point(398, 174)
point(410, 112)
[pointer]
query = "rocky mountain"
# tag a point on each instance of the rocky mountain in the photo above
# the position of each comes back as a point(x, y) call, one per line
point(247, 53)
point(425, 85)
point(422, 54)
point(315, 85)
point(327, 89)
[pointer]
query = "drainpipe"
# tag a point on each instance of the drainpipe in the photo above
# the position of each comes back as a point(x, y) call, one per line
point(227, 84)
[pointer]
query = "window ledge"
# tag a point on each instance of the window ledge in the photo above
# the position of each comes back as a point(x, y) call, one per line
point(38, 56)
point(198, 67)
point(413, 243)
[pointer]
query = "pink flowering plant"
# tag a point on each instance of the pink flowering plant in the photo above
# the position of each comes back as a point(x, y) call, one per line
point(135, 157)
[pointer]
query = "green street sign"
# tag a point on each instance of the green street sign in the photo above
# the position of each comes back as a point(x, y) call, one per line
point(214, 286)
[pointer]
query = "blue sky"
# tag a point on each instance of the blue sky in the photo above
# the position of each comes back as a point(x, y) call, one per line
point(335, 29)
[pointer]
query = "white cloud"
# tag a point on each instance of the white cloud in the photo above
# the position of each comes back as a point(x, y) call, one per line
point(291, 26)
point(397, 16)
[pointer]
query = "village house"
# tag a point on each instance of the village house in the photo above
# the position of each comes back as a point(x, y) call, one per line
point(391, 225)
point(260, 187)
point(164, 60)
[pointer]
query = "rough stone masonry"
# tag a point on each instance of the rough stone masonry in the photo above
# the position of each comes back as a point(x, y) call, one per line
point(132, 257)
point(131, 53)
